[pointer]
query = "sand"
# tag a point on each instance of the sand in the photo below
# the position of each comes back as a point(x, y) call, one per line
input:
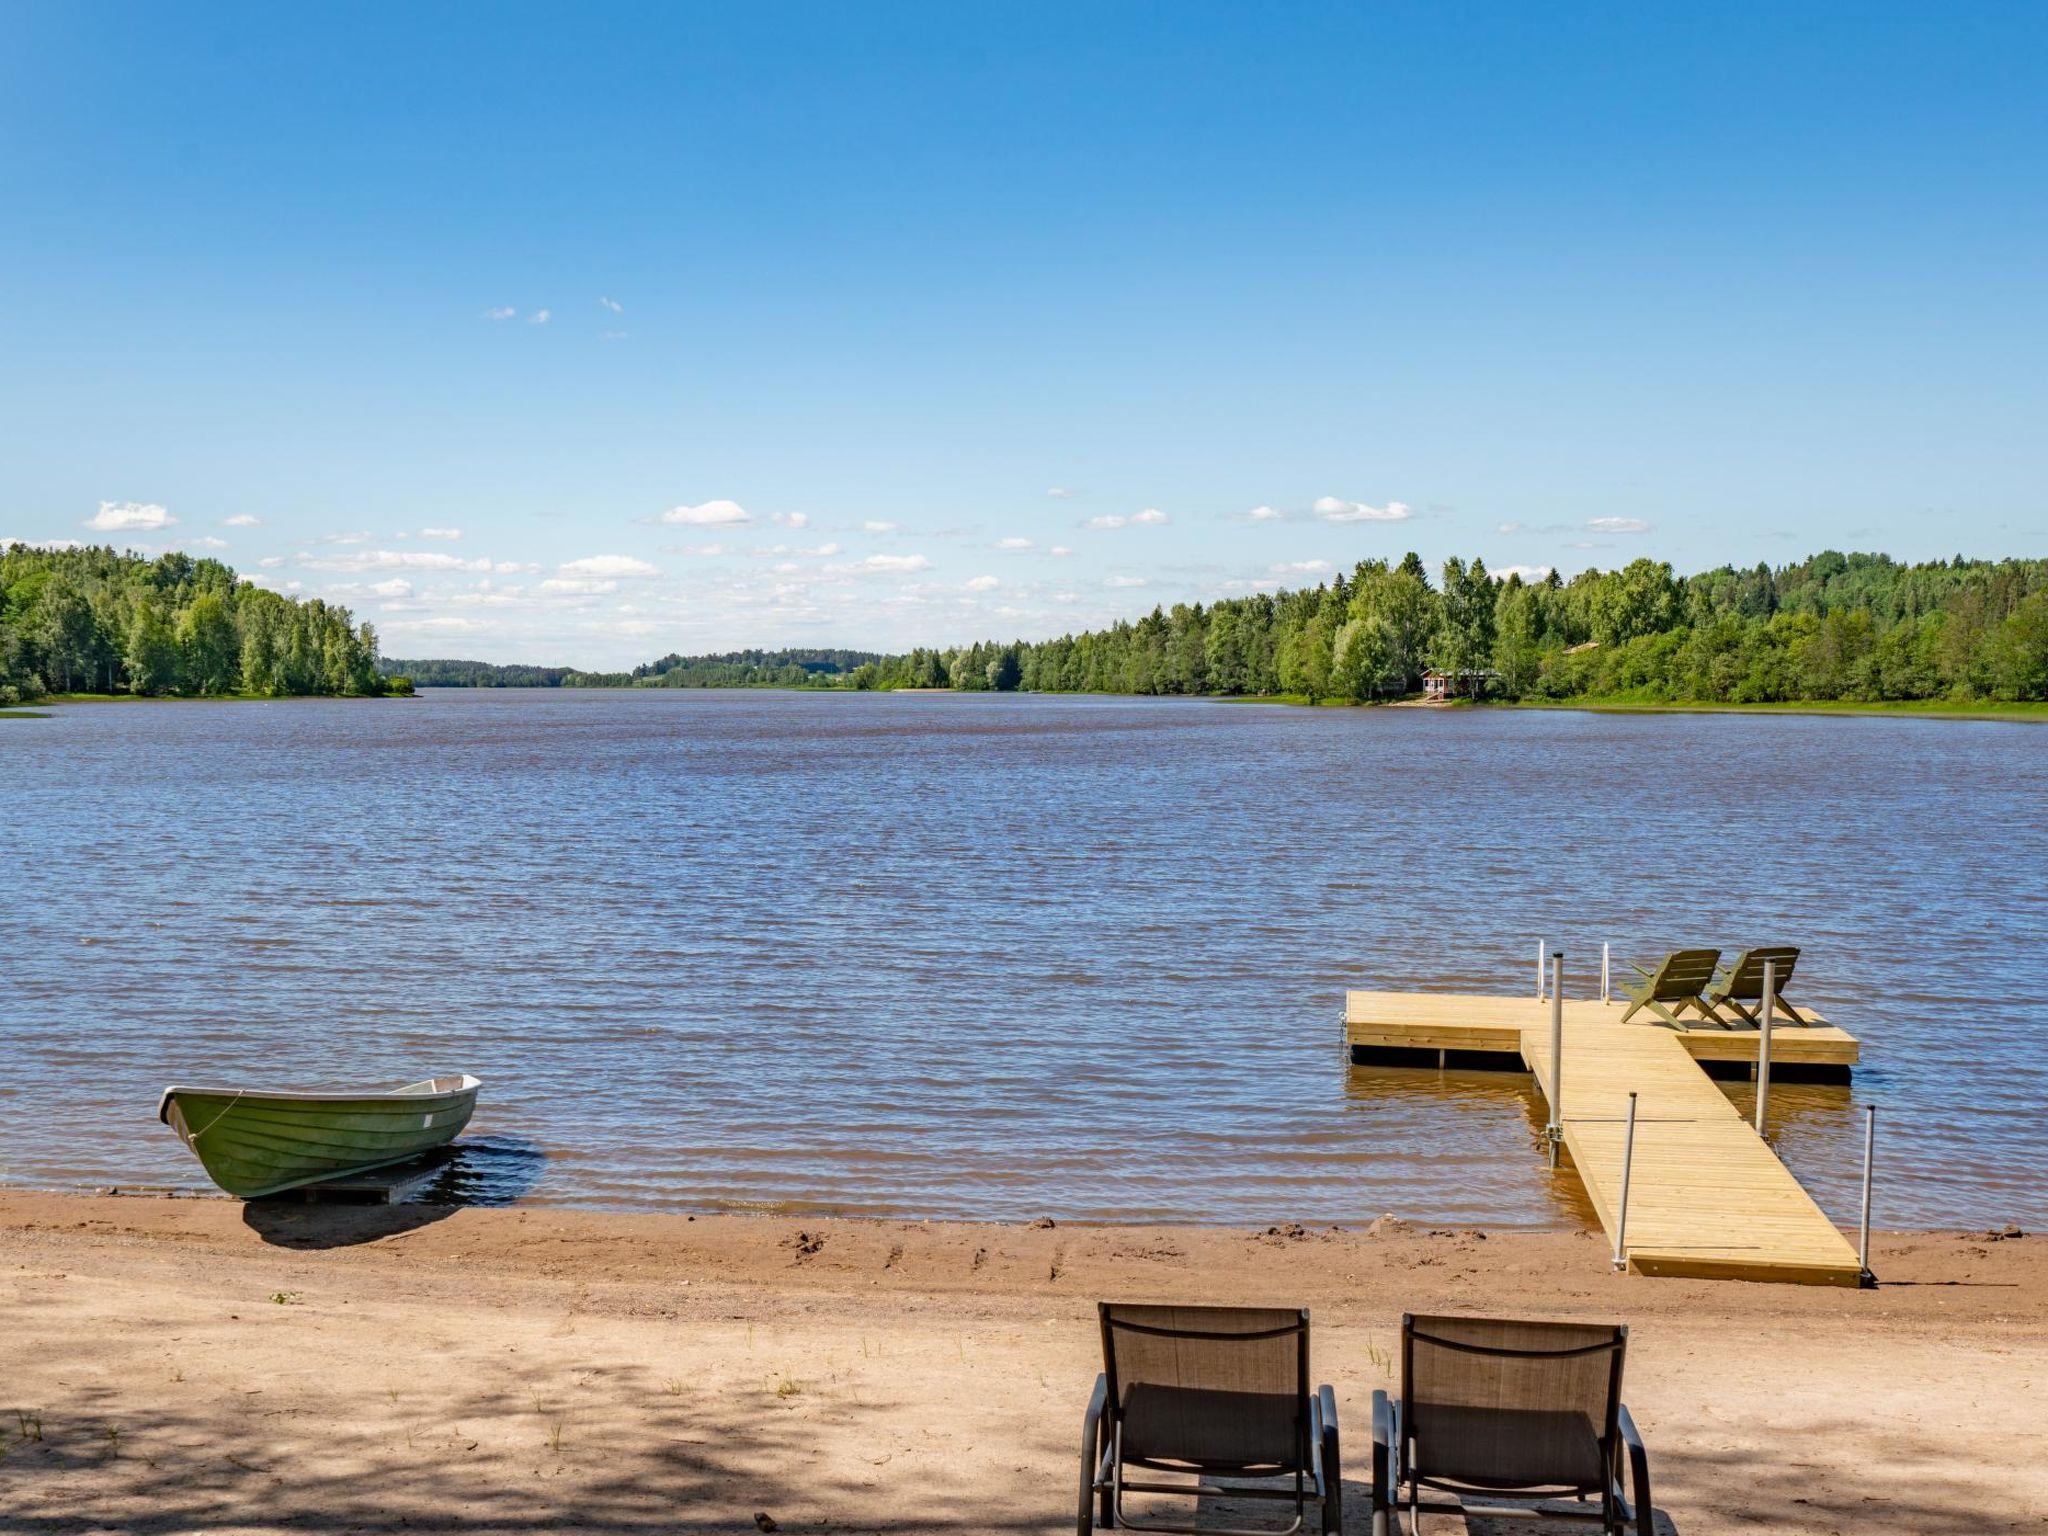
point(179, 1365)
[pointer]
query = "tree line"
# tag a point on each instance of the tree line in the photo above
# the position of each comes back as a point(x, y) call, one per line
point(729, 669)
point(93, 620)
point(1854, 627)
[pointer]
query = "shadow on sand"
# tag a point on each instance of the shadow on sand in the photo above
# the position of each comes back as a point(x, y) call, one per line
point(483, 1170)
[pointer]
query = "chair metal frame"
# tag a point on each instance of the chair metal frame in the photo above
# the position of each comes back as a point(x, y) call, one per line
point(1316, 1465)
point(1393, 1461)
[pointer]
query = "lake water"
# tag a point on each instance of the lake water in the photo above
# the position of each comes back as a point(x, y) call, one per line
point(996, 956)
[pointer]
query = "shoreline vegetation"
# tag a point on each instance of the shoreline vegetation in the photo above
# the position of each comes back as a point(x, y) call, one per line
point(1832, 634)
point(97, 623)
point(1835, 633)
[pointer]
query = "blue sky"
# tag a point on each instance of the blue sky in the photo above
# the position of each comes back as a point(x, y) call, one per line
point(895, 324)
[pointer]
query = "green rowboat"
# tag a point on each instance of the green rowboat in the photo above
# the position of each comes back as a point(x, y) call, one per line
point(256, 1142)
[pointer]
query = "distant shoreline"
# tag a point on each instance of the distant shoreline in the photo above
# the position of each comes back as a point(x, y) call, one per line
point(2021, 713)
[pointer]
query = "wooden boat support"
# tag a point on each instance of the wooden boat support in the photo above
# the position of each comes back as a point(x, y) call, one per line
point(1707, 1195)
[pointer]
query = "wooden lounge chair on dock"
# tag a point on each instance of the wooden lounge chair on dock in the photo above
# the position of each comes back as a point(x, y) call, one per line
point(1490, 1406)
point(1213, 1392)
point(1675, 986)
point(1740, 988)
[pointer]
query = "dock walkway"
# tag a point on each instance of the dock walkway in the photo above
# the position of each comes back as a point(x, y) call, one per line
point(1707, 1196)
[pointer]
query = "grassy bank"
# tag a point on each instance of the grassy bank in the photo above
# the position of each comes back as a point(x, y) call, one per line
point(1928, 709)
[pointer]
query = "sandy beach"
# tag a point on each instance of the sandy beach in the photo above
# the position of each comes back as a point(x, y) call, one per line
point(184, 1365)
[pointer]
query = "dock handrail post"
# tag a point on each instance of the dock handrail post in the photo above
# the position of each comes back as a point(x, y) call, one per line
point(1605, 992)
point(1763, 1044)
point(1869, 1149)
point(1555, 1130)
point(1628, 1157)
point(1539, 970)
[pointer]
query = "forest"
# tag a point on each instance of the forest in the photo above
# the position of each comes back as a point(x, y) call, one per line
point(730, 669)
point(93, 620)
point(1857, 627)
point(1833, 627)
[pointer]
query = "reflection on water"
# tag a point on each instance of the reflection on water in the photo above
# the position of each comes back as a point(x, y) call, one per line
point(995, 956)
point(1481, 1133)
point(484, 1170)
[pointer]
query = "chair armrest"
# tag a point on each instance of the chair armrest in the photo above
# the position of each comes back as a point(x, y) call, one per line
point(1330, 1457)
point(1639, 1468)
point(1386, 1450)
point(1091, 1453)
point(1643, 971)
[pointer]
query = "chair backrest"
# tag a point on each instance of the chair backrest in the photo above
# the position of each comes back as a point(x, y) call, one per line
point(1495, 1403)
point(1209, 1387)
point(1685, 973)
point(1746, 977)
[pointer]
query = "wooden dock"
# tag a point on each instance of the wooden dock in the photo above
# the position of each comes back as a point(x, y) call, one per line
point(1707, 1196)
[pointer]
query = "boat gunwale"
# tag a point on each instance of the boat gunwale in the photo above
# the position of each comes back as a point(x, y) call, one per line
point(423, 1089)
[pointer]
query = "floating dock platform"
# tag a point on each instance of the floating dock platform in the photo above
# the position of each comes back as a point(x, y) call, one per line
point(1707, 1196)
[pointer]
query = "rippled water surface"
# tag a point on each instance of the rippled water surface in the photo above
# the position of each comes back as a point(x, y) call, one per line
point(996, 956)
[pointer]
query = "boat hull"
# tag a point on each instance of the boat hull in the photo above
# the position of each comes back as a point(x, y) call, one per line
point(255, 1143)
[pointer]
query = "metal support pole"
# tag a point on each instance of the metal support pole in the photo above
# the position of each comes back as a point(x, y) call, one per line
point(1605, 991)
point(1763, 1045)
point(1869, 1150)
point(1555, 1130)
point(1539, 970)
point(1628, 1156)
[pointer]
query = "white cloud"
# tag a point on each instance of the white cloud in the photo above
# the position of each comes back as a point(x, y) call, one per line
point(707, 514)
point(343, 538)
point(873, 525)
point(609, 566)
point(1059, 551)
point(983, 584)
point(1507, 528)
point(790, 519)
point(506, 313)
point(1061, 493)
point(1124, 581)
point(241, 520)
point(888, 563)
point(271, 562)
point(572, 586)
point(613, 305)
point(1528, 573)
point(1300, 567)
point(128, 516)
point(541, 317)
point(440, 533)
point(46, 544)
point(397, 586)
point(697, 551)
point(1151, 517)
point(611, 335)
point(208, 541)
point(1013, 543)
point(1264, 515)
point(1332, 509)
point(1617, 525)
point(393, 560)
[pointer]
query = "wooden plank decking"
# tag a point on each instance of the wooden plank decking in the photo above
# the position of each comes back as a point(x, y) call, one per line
point(1707, 1196)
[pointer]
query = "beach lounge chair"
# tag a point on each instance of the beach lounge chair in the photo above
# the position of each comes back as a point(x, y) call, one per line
point(1675, 986)
point(1741, 987)
point(1492, 1407)
point(1213, 1392)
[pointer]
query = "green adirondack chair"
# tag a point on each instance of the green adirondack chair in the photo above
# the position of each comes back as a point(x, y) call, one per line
point(1741, 987)
point(1675, 986)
